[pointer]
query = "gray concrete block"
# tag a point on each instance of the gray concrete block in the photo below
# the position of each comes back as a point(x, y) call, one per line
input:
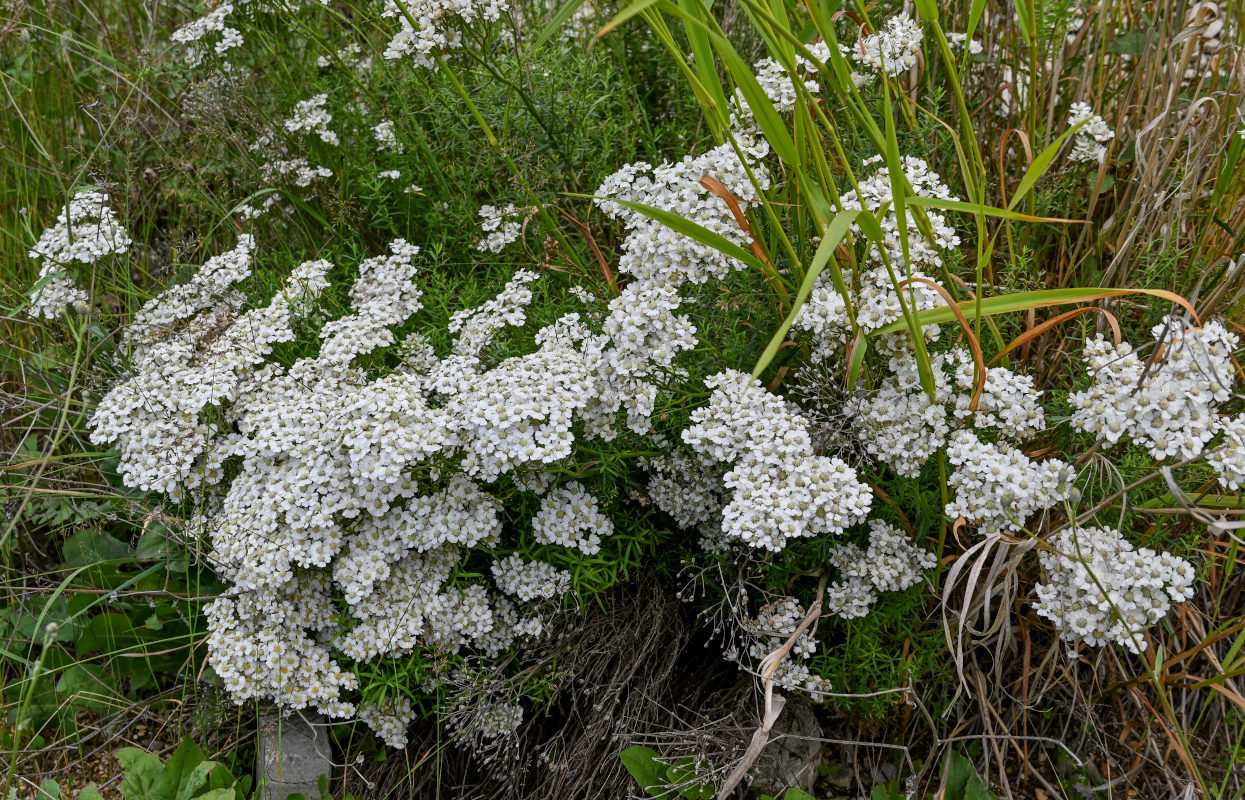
point(294, 752)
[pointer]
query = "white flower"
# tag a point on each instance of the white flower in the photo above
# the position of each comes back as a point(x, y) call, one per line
point(385, 137)
point(571, 517)
point(1168, 403)
point(501, 226)
point(311, 116)
point(891, 50)
point(1090, 141)
point(1100, 590)
point(997, 488)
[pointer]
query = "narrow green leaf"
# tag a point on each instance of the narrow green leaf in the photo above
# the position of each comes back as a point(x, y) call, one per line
point(1023, 301)
point(859, 347)
point(693, 231)
point(834, 234)
point(767, 118)
point(633, 10)
point(559, 19)
point(1040, 164)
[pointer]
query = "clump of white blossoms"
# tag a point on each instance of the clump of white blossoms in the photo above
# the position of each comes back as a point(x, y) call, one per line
point(899, 423)
point(86, 230)
point(779, 87)
point(773, 625)
point(386, 138)
point(997, 487)
point(389, 718)
point(1090, 142)
point(1166, 403)
point(902, 426)
point(1100, 590)
point(781, 488)
point(310, 116)
point(653, 251)
point(200, 33)
point(875, 298)
point(571, 517)
point(302, 172)
point(893, 49)
point(501, 226)
point(1228, 459)
point(434, 33)
point(958, 41)
point(891, 563)
point(530, 580)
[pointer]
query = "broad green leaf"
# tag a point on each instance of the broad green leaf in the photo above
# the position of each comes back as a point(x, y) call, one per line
point(181, 768)
point(1023, 301)
point(89, 547)
point(87, 687)
point(643, 765)
point(49, 790)
point(683, 774)
point(142, 777)
point(963, 783)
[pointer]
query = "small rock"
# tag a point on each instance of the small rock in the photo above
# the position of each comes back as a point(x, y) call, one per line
point(293, 753)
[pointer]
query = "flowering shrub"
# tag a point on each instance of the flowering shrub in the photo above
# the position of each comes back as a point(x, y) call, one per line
point(794, 366)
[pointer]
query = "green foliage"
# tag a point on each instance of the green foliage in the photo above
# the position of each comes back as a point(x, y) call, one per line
point(963, 782)
point(187, 775)
point(661, 778)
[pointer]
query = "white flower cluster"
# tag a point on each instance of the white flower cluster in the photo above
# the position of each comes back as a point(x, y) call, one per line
point(773, 625)
point(86, 230)
point(571, 517)
point(893, 49)
point(1228, 459)
point(212, 24)
point(1090, 142)
point(903, 427)
point(875, 299)
point(385, 137)
point(890, 564)
point(351, 55)
point(1100, 590)
point(501, 226)
point(389, 719)
point(530, 580)
point(998, 487)
point(302, 171)
point(875, 192)
point(433, 34)
point(276, 644)
point(957, 41)
point(1166, 403)
point(1009, 401)
point(779, 87)
point(899, 424)
point(496, 719)
point(310, 116)
point(781, 489)
point(685, 489)
point(656, 253)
